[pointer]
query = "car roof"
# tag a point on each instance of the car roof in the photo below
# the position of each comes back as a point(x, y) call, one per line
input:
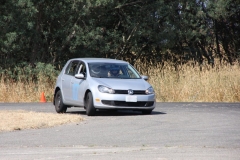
point(107, 60)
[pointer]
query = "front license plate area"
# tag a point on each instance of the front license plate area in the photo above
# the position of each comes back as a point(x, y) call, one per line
point(131, 98)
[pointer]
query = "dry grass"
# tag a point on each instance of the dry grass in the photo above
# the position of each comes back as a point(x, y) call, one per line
point(25, 91)
point(19, 120)
point(192, 85)
point(220, 84)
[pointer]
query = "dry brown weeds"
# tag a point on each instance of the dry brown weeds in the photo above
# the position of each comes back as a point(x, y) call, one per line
point(18, 120)
point(192, 85)
point(25, 91)
point(188, 84)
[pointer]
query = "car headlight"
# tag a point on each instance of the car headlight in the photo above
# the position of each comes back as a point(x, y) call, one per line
point(150, 90)
point(104, 89)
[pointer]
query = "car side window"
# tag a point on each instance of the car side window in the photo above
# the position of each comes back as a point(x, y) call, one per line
point(83, 69)
point(72, 68)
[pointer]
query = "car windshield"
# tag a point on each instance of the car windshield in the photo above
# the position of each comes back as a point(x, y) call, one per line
point(112, 70)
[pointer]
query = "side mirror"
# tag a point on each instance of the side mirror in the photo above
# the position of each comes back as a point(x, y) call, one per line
point(144, 77)
point(79, 76)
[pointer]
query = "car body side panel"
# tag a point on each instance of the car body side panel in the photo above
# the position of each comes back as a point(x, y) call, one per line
point(66, 88)
point(59, 81)
point(79, 87)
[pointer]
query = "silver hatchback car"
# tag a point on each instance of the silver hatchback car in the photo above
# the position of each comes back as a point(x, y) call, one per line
point(101, 83)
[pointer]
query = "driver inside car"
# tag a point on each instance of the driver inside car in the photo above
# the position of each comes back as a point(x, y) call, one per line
point(114, 72)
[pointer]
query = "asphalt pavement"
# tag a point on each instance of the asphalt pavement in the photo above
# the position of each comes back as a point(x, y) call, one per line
point(172, 131)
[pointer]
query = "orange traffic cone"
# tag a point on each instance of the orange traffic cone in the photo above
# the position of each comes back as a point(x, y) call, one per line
point(43, 99)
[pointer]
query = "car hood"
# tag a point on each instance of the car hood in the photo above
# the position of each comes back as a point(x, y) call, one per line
point(123, 84)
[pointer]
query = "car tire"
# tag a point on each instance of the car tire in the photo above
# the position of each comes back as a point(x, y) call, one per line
point(146, 111)
point(90, 110)
point(59, 105)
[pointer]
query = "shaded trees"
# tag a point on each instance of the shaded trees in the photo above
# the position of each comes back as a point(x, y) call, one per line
point(227, 28)
point(34, 31)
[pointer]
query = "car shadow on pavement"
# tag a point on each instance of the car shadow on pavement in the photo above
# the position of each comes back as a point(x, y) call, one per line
point(117, 113)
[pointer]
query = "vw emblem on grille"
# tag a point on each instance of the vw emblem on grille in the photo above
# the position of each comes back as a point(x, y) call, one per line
point(130, 91)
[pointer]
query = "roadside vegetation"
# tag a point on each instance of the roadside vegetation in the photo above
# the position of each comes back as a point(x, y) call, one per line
point(13, 120)
point(186, 84)
point(219, 84)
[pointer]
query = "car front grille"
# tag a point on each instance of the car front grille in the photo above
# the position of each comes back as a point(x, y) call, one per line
point(139, 92)
point(128, 104)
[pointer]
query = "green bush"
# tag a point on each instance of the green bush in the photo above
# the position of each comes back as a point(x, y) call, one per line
point(41, 72)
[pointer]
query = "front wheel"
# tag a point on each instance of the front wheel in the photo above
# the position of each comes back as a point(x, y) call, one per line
point(90, 110)
point(59, 105)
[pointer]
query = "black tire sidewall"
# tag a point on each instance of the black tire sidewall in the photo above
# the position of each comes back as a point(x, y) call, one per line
point(60, 108)
point(90, 110)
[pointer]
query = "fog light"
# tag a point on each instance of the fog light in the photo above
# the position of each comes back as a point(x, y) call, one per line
point(97, 100)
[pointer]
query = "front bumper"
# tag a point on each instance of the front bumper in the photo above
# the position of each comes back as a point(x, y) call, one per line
point(119, 101)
